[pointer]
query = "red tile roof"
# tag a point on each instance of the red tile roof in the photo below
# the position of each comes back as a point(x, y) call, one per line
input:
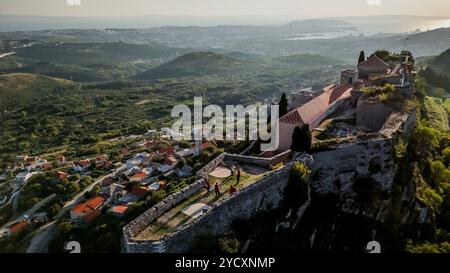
point(166, 150)
point(138, 176)
point(18, 227)
point(61, 175)
point(373, 62)
point(312, 110)
point(340, 92)
point(89, 205)
point(120, 209)
point(208, 144)
point(84, 163)
point(170, 160)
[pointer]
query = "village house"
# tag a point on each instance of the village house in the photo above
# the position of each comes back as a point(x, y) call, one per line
point(61, 160)
point(185, 171)
point(165, 151)
point(21, 158)
point(124, 151)
point(118, 211)
point(138, 160)
point(87, 211)
point(35, 163)
point(104, 164)
point(113, 190)
point(24, 176)
point(371, 67)
point(17, 227)
point(141, 175)
point(60, 176)
point(164, 168)
point(136, 193)
point(81, 166)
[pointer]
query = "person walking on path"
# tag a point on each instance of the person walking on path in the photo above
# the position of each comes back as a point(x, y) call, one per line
point(238, 176)
point(217, 189)
point(208, 185)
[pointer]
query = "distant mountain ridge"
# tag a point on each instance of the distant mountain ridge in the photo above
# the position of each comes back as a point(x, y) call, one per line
point(441, 64)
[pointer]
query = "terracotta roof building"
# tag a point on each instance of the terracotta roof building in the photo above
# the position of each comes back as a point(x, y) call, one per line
point(119, 210)
point(59, 176)
point(312, 112)
point(373, 65)
point(88, 210)
point(18, 227)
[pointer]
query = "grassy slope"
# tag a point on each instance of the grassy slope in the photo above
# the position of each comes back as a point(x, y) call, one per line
point(19, 89)
point(437, 115)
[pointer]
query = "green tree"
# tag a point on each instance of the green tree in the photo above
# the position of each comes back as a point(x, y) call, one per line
point(65, 227)
point(54, 210)
point(362, 57)
point(441, 93)
point(446, 155)
point(383, 54)
point(301, 139)
point(439, 173)
point(73, 187)
point(283, 104)
point(296, 192)
point(228, 245)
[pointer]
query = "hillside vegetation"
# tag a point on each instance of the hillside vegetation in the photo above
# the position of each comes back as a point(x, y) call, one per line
point(436, 113)
point(86, 53)
point(441, 64)
point(20, 89)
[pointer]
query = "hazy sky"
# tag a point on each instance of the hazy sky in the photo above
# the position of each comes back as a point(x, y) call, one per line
point(309, 8)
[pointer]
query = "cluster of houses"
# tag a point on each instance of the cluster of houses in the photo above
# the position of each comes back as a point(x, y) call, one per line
point(140, 174)
point(130, 182)
point(27, 166)
point(23, 224)
point(99, 162)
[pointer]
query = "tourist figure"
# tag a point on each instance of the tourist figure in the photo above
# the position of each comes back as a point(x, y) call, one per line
point(232, 190)
point(217, 189)
point(208, 185)
point(238, 176)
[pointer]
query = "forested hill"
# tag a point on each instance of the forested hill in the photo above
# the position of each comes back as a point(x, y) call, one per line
point(195, 64)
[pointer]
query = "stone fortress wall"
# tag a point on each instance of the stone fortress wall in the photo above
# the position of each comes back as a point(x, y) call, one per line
point(356, 158)
point(362, 159)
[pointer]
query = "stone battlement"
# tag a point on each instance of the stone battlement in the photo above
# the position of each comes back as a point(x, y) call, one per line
point(272, 182)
